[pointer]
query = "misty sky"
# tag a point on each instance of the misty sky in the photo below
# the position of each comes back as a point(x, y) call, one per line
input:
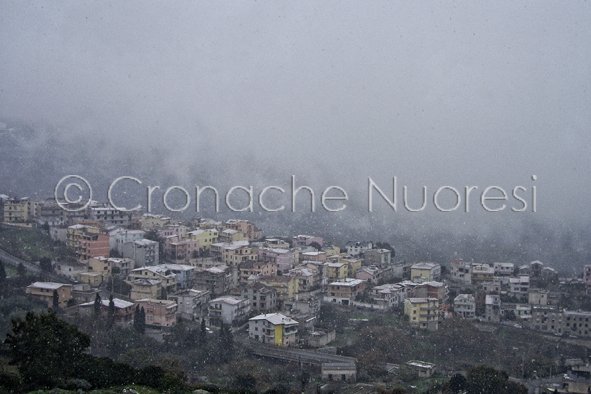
point(436, 93)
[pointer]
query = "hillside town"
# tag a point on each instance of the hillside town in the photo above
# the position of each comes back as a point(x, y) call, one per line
point(271, 291)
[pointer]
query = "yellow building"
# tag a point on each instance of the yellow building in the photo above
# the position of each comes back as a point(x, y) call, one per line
point(273, 328)
point(231, 235)
point(157, 272)
point(20, 210)
point(286, 286)
point(422, 313)
point(43, 291)
point(256, 268)
point(247, 228)
point(237, 252)
point(332, 250)
point(144, 288)
point(100, 265)
point(205, 237)
point(353, 265)
point(151, 222)
point(94, 279)
point(425, 272)
point(335, 271)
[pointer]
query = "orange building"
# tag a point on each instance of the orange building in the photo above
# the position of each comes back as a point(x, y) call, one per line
point(88, 241)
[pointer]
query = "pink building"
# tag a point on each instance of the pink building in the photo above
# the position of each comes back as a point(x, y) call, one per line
point(159, 313)
point(284, 259)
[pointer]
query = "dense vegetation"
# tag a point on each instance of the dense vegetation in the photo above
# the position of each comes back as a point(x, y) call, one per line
point(49, 352)
point(33, 244)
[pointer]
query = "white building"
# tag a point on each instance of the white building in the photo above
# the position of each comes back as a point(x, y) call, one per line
point(379, 257)
point(121, 236)
point(482, 273)
point(504, 269)
point(143, 252)
point(465, 306)
point(110, 216)
point(390, 294)
point(519, 287)
point(461, 271)
point(492, 308)
point(192, 304)
point(537, 297)
point(229, 310)
point(273, 328)
point(358, 248)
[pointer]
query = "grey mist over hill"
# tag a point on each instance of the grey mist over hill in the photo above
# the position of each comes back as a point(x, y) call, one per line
point(251, 93)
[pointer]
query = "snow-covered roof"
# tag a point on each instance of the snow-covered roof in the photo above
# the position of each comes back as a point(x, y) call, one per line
point(157, 269)
point(47, 285)
point(313, 253)
point(275, 318)
point(145, 242)
point(231, 245)
point(167, 303)
point(521, 279)
point(464, 298)
point(228, 300)
point(334, 265)
point(218, 269)
point(424, 265)
point(348, 282)
point(301, 272)
point(119, 303)
point(420, 300)
point(432, 283)
point(146, 282)
point(177, 267)
point(502, 264)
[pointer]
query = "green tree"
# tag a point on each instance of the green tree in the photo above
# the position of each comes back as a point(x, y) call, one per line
point(139, 320)
point(510, 315)
point(225, 343)
point(202, 334)
point(21, 270)
point(487, 380)
point(45, 264)
point(56, 300)
point(304, 379)
point(136, 318)
point(45, 349)
point(143, 320)
point(245, 383)
point(97, 305)
point(111, 311)
point(457, 383)
point(2, 271)
point(316, 245)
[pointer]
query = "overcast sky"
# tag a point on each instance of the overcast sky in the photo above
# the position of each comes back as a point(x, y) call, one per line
point(460, 93)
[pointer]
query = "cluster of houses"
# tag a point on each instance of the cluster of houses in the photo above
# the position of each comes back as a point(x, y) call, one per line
point(518, 294)
point(229, 272)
